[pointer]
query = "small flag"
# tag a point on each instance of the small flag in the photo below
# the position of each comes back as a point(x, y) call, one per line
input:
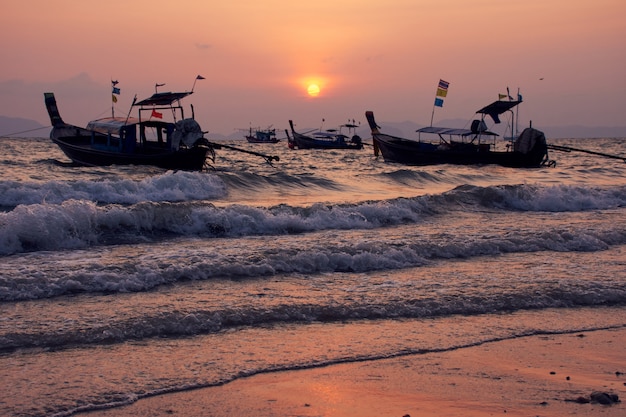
point(156, 114)
point(442, 91)
point(114, 83)
point(501, 96)
point(116, 90)
point(113, 98)
point(200, 77)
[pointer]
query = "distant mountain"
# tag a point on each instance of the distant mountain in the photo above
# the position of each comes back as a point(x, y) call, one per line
point(17, 126)
point(575, 132)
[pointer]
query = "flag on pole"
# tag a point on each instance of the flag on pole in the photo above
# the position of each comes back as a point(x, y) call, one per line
point(199, 77)
point(156, 114)
point(442, 89)
point(115, 91)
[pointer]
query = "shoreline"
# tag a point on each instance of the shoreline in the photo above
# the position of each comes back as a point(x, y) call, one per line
point(545, 375)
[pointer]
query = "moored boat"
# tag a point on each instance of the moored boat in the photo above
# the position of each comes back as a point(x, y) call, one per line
point(474, 146)
point(326, 139)
point(262, 136)
point(144, 140)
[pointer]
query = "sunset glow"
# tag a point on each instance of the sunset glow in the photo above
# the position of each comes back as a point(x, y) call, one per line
point(259, 60)
point(313, 90)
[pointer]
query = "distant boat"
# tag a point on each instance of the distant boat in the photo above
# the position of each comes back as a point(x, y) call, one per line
point(474, 146)
point(145, 140)
point(326, 139)
point(262, 136)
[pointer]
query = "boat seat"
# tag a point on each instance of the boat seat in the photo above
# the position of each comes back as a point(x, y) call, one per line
point(478, 126)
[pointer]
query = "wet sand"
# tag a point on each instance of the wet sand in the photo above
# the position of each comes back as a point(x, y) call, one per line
point(548, 375)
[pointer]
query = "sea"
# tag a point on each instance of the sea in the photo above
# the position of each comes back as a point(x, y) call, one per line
point(121, 283)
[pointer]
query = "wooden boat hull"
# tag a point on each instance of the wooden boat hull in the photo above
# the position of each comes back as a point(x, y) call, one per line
point(300, 141)
point(304, 142)
point(80, 150)
point(92, 147)
point(252, 139)
point(410, 152)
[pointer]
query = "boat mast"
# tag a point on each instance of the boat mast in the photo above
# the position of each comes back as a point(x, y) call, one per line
point(519, 98)
point(114, 93)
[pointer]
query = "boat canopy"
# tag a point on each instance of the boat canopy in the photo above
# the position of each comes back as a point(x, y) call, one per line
point(453, 131)
point(163, 99)
point(111, 125)
point(496, 108)
point(445, 131)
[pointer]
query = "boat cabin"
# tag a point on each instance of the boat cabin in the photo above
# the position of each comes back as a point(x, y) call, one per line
point(148, 130)
point(478, 134)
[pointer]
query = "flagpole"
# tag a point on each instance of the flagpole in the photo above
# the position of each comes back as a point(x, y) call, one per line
point(199, 77)
point(432, 115)
point(114, 92)
point(442, 91)
point(131, 108)
point(112, 98)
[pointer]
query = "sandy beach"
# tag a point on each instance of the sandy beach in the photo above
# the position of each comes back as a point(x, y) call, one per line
point(550, 375)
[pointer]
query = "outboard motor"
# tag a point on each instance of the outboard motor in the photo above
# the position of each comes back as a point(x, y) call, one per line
point(531, 140)
point(186, 132)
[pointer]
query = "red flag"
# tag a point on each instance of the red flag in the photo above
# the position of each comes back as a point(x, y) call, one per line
point(156, 114)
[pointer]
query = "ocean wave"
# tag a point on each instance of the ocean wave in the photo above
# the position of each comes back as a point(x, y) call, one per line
point(170, 186)
point(176, 323)
point(140, 268)
point(77, 224)
point(557, 198)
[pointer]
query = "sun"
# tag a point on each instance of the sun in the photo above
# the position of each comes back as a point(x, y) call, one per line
point(313, 90)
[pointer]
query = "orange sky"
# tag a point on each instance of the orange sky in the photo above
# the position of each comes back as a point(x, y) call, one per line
point(259, 57)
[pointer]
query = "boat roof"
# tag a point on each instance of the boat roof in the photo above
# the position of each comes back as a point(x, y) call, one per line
point(445, 131)
point(111, 124)
point(494, 110)
point(163, 99)
point(498, 107)
point(452, 131)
